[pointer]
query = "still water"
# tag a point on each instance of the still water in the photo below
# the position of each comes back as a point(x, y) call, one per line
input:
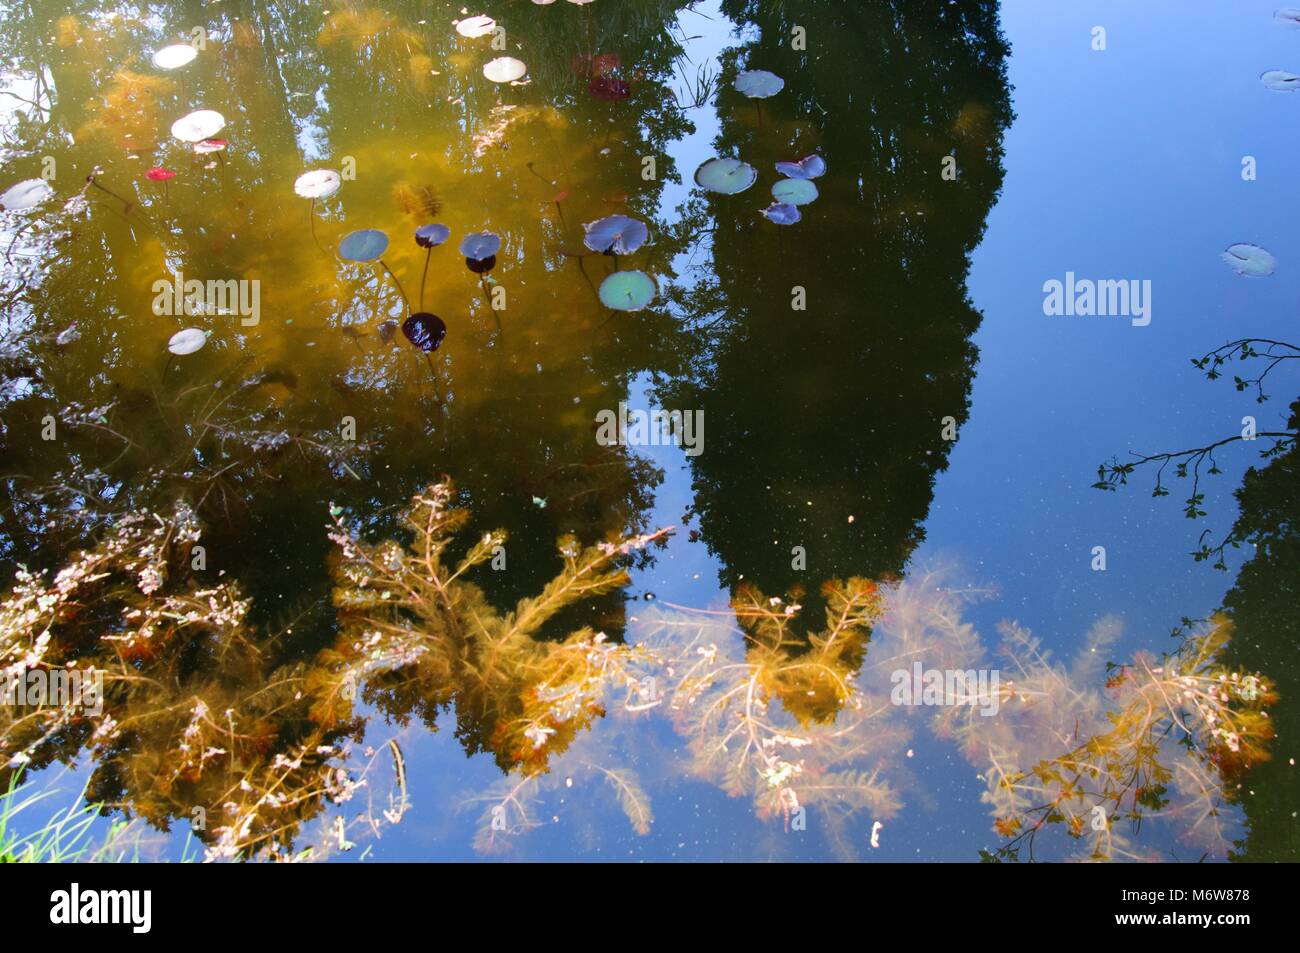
point(351, 595)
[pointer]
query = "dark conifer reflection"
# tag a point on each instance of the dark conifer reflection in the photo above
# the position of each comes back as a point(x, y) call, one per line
point(825, 426)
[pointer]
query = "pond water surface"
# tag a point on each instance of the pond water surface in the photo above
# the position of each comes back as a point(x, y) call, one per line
point(884, 467)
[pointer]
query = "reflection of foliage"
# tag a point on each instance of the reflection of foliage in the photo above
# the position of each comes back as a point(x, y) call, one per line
point(883, 345)
point(767, 715)
point(193, 716)
point(1060, 752)
point(411, 612)
point(1189, 462)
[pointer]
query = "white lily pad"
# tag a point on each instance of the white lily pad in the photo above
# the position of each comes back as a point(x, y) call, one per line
point(759, 83)
point(198, 125)
point(505, 69)
point(1280, 81)
point(174, 56)
point(319, 184)
point(187, 341)
point(474, 27)
point(25, 194)
point(1251, 261)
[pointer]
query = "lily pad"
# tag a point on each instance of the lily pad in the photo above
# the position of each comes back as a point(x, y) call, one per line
point(727, 176)
point(617, 234)
point(198, 125)
point(320, 184)
point(759, 83)
point(481, 266)
point(809, 167)
point(1280, 81)
point(474, 27)
point(480, 246)
point(794, 191)
point(174, 56)
point(505, 69)
point(1251, 261)
point(628, 290)
point(425, 330)
point(25, 194)
point(782, 213)
point(187, 341)
point(366, 244)
point(431, 236)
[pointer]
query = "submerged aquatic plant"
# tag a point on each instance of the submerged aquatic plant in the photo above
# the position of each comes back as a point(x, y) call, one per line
point(1169, 743)
point(192, 714)
point(412, 613)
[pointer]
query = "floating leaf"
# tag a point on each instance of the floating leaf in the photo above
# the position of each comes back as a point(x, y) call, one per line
point(480, 246)
point(758, 83)
point(794, 191)
point(198, 125)
point(25, 194)
point(782, 213)
point(187, 341)
point(209, 145)
point(505, 69)
point(320, 184)
point(728, 176)
point(627, 290)
point(159, 174)
point(617, 234)
point(474, 27)
point(809, 167)
point(425, 330)
point(1281, 81)
point(366, 244)
point(481, 266)
point(174, 56)
point(431, 236)
point(1250, 260)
